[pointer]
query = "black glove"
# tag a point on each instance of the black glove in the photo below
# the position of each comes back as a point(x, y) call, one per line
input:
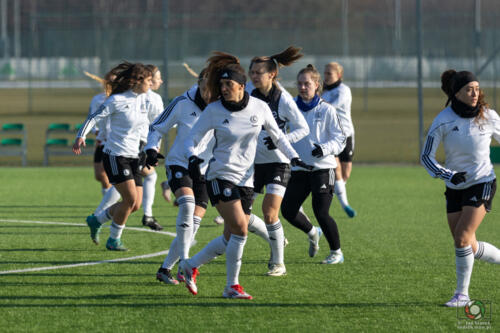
point(298, 162)
point(317, 151)
point(458, 178)
point(152, 157)
point(194, 167)
point(269, 143)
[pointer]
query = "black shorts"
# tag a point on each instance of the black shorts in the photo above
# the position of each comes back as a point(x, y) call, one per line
point(474, 196)
point(347, 154)
point(179, 177)
point(319, 181)
point(270, 173)
point(120, 169)
point(223, 190)
point(98, 153)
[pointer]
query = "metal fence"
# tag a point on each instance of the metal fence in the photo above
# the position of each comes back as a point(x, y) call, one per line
point(381, 43)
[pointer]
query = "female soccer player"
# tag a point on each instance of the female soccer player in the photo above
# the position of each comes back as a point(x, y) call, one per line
point(191, 193)
point(95, 103)
point(339, 95)
point(272, 168)
point(150, 175)
point(465, 127)
point(127, 110)
point(237, 120)
point(325, 140)
point(155, 107)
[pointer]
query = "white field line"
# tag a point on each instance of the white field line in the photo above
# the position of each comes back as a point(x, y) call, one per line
point(38, 269)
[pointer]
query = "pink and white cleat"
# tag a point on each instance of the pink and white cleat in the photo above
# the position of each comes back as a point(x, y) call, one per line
point(235, 291)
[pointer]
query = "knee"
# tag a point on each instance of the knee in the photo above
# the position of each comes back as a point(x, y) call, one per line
point(462, 240)
point(130, 204)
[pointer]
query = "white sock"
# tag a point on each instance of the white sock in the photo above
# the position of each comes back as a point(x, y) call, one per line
point(258, 227)
point(312, 232)
point(103, 190)
point(110, 197)
point(464, 260)
point(103, 216)
point(115, 231)
point(341, 192)
point(172, 255)
point(196, 226)
point(212, 250)
point(184, 224)
point(148, 194)
point(234, 253)
point(276, 239)
point(487, 252)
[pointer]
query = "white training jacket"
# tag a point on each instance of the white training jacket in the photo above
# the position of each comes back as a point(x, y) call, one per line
point(184, 113)
point(95, 103)
point(341, 99)
point(287, 113)
point(128, 114)
point(236, 139)
point(466, 143)
point(325, 129)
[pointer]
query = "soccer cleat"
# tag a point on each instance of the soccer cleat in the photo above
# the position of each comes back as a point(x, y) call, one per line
point(115, 245)
point(95, 228)
point(277, 270)
point(235, 291)
point(151, 222)
point(164, 275)
point(314, 242)
point(218, 220)
point(189, 276)
point(458, 301)
point(180, 275)
point(350, 211)
point(334, 258)
point(166, 191)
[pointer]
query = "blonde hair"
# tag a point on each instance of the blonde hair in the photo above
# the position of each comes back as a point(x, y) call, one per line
point(336, 67)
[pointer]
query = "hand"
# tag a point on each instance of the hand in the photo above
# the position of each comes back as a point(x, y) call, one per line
point(317, 151)
point(298, 162)
point(458, 178)
point(194, 167)
point(269, 143)
point(76, 146)
point(152, 157)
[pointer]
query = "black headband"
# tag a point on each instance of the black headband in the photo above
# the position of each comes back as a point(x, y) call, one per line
point(233, 75)
point(460, 79)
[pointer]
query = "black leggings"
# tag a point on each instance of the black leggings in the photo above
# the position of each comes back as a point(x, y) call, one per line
point(300, 185)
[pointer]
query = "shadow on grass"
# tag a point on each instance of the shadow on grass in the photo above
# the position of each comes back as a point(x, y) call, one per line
point(205, 302)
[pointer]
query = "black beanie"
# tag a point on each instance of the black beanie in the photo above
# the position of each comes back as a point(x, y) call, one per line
point(460, 79)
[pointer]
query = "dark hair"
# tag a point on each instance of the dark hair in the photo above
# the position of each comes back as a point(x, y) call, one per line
point(316, 76)
point(128, 76)
point(448, 78)
point(284, 58)
point(217, 64)
point(203, 75)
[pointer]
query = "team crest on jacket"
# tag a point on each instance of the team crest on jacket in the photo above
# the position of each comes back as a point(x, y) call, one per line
point(317, 115)
point(254, 119)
